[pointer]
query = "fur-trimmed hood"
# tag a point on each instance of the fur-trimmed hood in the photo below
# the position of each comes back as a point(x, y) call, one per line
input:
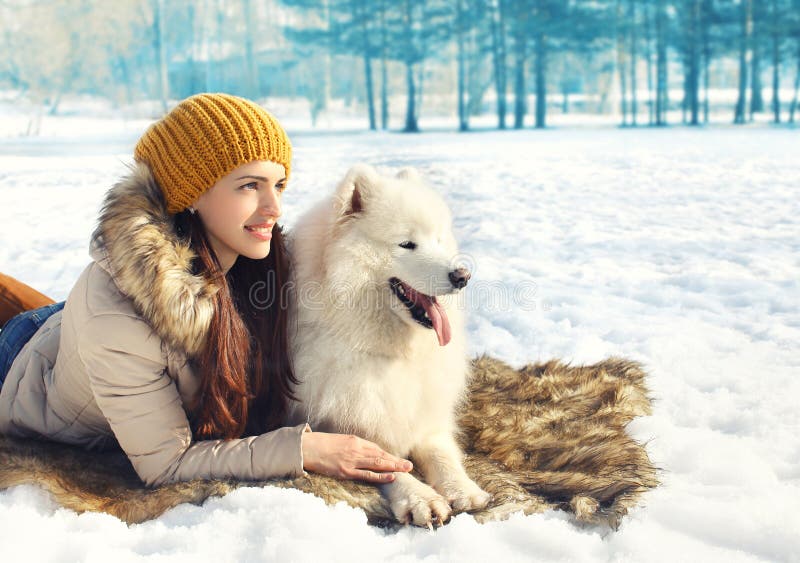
point(113, 368)
point(136, 243)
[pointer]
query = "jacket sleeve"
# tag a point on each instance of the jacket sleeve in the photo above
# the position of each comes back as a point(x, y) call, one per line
point(128, 375)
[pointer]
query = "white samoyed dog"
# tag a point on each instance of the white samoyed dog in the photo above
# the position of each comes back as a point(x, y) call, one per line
point(378, 339)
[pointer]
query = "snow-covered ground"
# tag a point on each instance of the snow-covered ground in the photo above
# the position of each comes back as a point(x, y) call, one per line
point(679, 248)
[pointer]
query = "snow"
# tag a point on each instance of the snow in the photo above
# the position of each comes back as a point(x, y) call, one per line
point(676, 247)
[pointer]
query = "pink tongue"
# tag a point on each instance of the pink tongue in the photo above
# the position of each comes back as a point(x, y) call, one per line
point(436, 313)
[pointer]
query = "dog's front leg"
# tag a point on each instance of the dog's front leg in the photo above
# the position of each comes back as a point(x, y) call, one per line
point(414, 502)
point(440, 460)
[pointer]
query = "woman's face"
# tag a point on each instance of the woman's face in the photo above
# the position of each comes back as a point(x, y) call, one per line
point(239, 211)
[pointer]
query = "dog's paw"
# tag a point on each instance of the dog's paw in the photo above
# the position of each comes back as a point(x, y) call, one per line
point(464, 495)
point(421, 507)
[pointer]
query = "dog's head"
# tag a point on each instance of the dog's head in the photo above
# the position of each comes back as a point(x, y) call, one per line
point(397, 232)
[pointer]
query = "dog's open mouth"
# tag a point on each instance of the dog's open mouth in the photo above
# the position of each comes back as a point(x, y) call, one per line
point(424, 309)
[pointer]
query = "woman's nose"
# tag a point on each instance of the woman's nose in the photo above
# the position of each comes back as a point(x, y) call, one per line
point(271, 204)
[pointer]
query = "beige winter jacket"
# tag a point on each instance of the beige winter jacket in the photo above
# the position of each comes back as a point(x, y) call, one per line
point(112, 366)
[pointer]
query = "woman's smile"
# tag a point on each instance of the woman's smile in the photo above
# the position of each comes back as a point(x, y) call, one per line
point(248, 198)
point(262, 231)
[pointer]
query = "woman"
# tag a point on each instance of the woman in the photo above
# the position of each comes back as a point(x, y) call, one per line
point(162, 346)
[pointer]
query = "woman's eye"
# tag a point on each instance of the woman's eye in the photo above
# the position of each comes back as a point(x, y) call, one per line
point(408, 244)
point(250, 186)
point(280, 187)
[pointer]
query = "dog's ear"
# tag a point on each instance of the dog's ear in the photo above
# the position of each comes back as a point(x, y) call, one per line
point(354, 191)
point(409, 173)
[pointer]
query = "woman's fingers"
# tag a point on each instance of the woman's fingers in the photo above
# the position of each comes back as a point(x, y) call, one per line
point(350, 457)
point(383, 461)
point(371, 476)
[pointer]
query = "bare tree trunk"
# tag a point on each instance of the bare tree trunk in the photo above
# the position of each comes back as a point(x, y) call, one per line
point(384, 95)
point(756, 98)
point(633, 25)
point(327, 78)
point(411, 110)
point(706, 67)
point(776, 64)
point(648, 26)
point(662, 98)
point(127, 79)
point(793, 106)
point(499, 58)
point(477, 82)
point(621, 63)
point(360, 15)
point(520, 56)
point(370, 95)
point(541, 79)
point(694, 63)
point(384, 73)
point(422, 49)
point(72, 68)
point(744, 41)
point(685, 100)
point(420, 85)
point(463, 118)
point(53, 110)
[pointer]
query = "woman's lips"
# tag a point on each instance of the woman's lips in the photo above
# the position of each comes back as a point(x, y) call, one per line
point(261, 232)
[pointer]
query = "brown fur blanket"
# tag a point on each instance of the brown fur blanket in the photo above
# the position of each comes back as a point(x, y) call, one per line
point(545, 436)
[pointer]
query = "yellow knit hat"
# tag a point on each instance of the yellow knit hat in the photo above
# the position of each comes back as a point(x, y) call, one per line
point(204, 138)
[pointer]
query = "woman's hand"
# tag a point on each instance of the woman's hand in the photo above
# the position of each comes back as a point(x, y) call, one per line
point(349, 457)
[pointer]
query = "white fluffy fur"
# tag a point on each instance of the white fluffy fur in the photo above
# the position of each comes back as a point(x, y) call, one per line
point(365, 366)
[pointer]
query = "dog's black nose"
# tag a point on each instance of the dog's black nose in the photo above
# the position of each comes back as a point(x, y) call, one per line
point(459, 277)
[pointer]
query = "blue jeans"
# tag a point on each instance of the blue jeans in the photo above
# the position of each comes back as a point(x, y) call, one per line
point(18, 330)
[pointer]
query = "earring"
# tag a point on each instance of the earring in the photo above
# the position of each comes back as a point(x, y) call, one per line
point(192, 210)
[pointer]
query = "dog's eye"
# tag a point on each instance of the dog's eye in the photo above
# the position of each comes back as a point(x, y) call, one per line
point(408, 244)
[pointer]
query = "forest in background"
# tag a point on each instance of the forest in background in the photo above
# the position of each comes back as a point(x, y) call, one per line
point(520, 60)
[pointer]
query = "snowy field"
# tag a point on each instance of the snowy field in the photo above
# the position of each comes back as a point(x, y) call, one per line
point(679, 248)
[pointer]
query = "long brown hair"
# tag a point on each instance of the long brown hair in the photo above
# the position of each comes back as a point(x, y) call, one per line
point(245, 368)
